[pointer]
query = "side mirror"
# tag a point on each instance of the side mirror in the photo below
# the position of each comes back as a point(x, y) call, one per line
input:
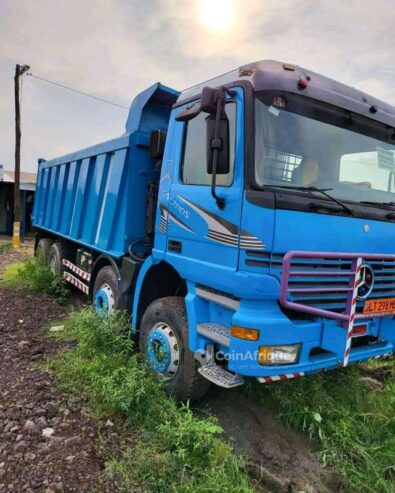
point(209, 99)
point(219, 142)
point(207, 104)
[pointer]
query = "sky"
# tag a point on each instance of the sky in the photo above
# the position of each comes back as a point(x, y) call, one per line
point(113, 49)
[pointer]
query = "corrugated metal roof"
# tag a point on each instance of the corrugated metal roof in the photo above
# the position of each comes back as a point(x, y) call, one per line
point(28, 180)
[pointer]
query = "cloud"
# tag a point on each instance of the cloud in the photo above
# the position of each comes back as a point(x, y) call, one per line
point(115, 48)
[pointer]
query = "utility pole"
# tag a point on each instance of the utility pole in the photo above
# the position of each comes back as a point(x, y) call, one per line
point(16, 237)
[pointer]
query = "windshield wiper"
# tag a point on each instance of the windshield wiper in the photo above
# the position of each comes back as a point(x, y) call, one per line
point(319, 190)
point(379, 204)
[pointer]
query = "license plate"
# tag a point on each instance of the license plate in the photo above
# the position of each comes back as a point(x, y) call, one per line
point(379, 306)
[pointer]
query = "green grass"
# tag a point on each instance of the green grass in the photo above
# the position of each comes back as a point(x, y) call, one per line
point(9, 275)
point(5, 247)
point(34, 275)
point(173, 450)
point(354, 425)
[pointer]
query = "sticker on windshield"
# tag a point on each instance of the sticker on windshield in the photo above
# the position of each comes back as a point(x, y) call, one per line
point(386, 158)
point(274, 111)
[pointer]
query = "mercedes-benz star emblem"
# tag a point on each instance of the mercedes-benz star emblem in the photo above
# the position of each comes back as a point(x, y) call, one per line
point(365, 282)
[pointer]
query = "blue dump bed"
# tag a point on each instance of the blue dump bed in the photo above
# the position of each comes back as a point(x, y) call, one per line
point(97, 196)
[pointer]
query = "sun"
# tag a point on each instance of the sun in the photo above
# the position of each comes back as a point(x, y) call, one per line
point(217, 15)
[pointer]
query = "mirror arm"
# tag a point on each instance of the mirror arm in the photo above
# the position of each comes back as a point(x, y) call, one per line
point(220, 201)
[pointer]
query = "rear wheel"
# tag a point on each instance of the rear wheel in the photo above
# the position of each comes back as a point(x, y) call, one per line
point(55, 258)
point(164, 340)
point(43, 248)
point(105, 291)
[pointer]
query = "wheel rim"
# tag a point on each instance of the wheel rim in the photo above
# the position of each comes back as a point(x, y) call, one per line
point(163, 350)
point(104, 299)
point(52, 264)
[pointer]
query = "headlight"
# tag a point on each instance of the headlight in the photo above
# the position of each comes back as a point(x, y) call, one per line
point(279, 355)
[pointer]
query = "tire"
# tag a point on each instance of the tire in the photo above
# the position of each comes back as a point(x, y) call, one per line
point(55, 258)
point(42, 250)
point(164, 340)
point(105, 291)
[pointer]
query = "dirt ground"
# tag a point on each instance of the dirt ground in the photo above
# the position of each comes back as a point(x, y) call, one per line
point(281, 457)
point(47, 444)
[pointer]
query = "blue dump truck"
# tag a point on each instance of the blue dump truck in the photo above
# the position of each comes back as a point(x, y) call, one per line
point(247, 224)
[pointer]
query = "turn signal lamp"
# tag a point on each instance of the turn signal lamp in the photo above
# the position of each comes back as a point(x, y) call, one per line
point(243, 333)
point(279, 355)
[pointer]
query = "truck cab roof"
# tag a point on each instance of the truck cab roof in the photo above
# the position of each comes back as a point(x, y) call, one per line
point(286, 77)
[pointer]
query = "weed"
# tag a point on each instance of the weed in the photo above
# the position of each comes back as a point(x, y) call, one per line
point(34, 275)
point(175, 450)
point(5, 247)
point(355, 426)
point(9, 275)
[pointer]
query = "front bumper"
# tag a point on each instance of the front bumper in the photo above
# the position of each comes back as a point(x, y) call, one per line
point(322, 341)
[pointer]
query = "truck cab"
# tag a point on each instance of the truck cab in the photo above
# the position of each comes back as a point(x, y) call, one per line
point(272, 234)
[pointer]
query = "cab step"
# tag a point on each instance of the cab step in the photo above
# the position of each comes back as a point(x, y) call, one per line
point(221, 377)
point(215, 332)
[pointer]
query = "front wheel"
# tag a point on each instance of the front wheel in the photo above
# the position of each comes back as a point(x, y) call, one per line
point(164, 340)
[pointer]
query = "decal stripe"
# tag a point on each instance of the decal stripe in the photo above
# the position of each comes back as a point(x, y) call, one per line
point(222, 240)
point(163, 219)
point(243, 243)
point(383, 356)
point(276, 378)
point(80, 272)
point(225, 235)
point(214, 234)
point(246, 239)
point(253, 246)
point(214, 222)
point(252, 242)
point(288, 376)
point(352, 302)
point(76, 282)
point(180, 223)
point(223, 231)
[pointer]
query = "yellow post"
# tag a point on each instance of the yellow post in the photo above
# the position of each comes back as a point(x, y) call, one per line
point(16, 236)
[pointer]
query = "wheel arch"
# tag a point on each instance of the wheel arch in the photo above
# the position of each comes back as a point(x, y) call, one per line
point(102, 261)
point(156, 280)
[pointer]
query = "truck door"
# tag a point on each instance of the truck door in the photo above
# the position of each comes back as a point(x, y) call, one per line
point(203, 240)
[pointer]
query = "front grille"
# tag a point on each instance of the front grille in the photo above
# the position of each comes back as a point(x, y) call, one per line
point(322, 285)
point(324, 282)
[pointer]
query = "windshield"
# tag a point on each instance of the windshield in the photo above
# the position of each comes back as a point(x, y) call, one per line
point(300, 143)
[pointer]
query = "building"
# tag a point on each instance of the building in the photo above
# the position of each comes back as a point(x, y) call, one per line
point(27, 190)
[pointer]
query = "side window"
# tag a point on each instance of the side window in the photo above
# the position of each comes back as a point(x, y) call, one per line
point(193, 167)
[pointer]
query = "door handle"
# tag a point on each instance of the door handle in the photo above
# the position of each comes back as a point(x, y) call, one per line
point(174, 246)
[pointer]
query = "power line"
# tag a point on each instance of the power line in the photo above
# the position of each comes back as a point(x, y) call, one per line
point(77, 91)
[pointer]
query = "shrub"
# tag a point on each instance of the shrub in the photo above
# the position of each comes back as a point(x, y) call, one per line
point(34, 275)
point(355, 426)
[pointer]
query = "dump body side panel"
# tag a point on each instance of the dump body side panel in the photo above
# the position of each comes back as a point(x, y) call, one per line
point(96, 197)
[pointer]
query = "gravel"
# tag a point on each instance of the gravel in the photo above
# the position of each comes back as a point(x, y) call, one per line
point(46, 443)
